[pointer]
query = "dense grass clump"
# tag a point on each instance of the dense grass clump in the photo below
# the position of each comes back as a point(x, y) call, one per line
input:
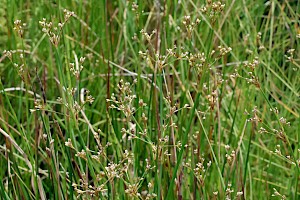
point(133, 99)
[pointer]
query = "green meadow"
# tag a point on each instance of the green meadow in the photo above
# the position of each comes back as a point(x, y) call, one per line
point(163, 99)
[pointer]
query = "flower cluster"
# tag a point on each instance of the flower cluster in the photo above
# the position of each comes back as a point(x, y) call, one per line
point(213, 9)
point(54, 31)
point(77, 69)
point(19, 27)
point(125, 101)
point(190, 25)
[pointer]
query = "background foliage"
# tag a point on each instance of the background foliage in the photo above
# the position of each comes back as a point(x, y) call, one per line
point(174, 99)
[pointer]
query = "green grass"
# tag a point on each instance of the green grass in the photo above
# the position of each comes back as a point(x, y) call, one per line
point(172, 102)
